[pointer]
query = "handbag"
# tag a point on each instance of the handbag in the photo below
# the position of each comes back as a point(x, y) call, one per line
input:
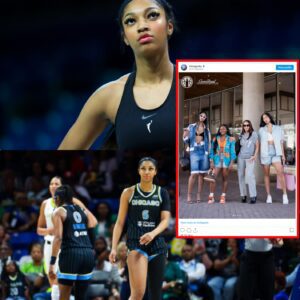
point(210, 176)
point(289, 181)
point(184, 160)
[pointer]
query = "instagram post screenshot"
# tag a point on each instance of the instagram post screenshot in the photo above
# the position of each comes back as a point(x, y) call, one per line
point(237, 148)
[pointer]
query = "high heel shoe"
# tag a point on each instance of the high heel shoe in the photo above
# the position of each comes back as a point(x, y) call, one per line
point(198, 197)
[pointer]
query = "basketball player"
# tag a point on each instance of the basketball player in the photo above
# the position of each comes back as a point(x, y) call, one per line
point(73, 226)
point(45, 228)
point(141, 105)
point(148, 209)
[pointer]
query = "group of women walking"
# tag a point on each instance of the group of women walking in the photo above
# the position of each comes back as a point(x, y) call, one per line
point(209, 157)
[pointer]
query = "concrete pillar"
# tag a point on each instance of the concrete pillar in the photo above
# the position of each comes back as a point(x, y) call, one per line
point(227, 102)
point(253, 107)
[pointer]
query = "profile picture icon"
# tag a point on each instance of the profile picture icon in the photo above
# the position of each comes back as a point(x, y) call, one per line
point(183, 67)
point(186, 82)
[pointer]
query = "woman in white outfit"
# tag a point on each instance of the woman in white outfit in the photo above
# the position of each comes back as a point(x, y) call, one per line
point(45, 228)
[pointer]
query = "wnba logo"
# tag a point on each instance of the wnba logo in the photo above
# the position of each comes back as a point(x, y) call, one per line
point(186, 82)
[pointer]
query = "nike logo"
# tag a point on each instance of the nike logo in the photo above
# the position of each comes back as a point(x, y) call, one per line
point(148, 126)
point(147, 117)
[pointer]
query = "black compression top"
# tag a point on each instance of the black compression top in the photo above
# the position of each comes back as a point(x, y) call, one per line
point(75, 226)
point(144, 129)
point(144, 211)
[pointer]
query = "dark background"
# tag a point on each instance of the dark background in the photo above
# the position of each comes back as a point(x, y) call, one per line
point(54, 54)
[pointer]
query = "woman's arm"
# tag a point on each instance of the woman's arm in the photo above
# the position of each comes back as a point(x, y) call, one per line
point(100, 108)
point(282, 150)
point(92, 221)
point(220, 264)
point(232, 149)
point(58, 217)
point(88, 126)
point(41, 225)
point(118, 228)
point(256, 148)
point(209, 140)
point(186, 135)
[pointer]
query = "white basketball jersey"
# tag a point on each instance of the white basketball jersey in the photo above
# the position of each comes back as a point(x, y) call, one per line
point(49, 209)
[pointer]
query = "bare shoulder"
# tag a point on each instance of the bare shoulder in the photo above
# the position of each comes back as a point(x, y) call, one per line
point(43, 204)
point(78, 202)
point(128, 192)
point(59, 211)
point(109, 95)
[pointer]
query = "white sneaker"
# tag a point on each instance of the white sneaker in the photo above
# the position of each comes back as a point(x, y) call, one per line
point(285, 199)
point(269, 199)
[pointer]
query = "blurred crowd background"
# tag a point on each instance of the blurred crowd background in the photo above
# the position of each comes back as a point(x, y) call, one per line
point(196, 269)
point(53, 55)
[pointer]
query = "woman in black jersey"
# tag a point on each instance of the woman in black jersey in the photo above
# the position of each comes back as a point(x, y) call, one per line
point(147, 208)
point(73, 229)
point(141, 105)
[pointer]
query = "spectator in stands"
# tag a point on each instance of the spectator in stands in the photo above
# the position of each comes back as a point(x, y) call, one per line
point(34, 271)
point(201, 254)
point(9, 182)
point(14, 283)
point(123, 270)
point(37, 182)
point(103, 265)
point(91, 179)
point(5, 254)
point(195, 272)
point(21, 216)
point(4, 236)
point(106, 220)
point(175, 284)
point(36, 265)
point(280, 284)
point(101, 245)
point(227, 265)
point(107, 168)
point(121, 257)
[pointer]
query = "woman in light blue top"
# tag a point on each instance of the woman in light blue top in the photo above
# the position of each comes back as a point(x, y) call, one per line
point(272, 152)
point(197, 137)
point(222, 154)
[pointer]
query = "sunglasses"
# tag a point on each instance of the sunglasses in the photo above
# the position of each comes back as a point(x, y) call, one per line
point(203, 116)
point(246, 125)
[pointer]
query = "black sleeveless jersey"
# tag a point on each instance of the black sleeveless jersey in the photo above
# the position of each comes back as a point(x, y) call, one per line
point(144, 211)
point(75, 228)
point(15, 287)
point(143, 129)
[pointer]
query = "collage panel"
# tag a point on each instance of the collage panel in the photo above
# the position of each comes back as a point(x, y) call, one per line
point(237, 148)
point(100, 216)
point(35, 187)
